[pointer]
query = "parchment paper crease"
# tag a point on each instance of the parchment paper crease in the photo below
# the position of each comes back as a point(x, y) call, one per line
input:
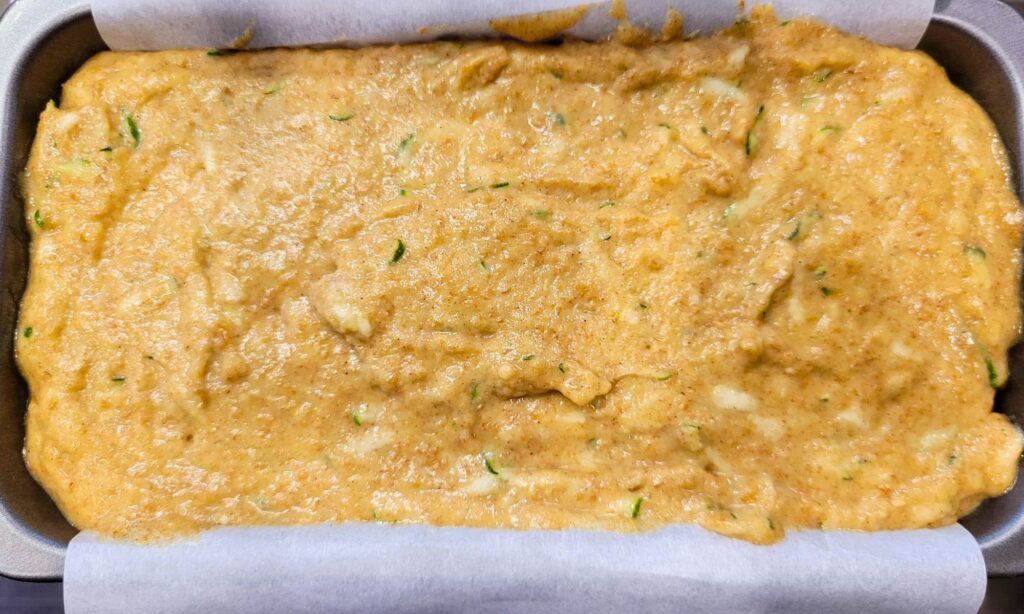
point(163, 24)
point(374, 568)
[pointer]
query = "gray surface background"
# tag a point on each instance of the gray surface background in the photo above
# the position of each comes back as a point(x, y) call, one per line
point(1005, 595)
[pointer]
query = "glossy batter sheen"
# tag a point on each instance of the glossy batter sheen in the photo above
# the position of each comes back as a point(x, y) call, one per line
point(761, 280)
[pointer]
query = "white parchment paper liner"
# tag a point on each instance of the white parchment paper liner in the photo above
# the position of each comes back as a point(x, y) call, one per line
point(174, 24)
point(374, 568)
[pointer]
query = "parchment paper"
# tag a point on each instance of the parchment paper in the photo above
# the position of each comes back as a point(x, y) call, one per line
point(372, 568)
point(380, 568)
point(172, 24)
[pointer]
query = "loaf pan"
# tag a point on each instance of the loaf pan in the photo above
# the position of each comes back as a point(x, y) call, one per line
point(42, 42)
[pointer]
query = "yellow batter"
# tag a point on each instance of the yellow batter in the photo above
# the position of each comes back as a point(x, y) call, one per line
point(761, 280)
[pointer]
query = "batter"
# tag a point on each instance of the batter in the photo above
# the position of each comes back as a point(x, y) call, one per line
point(760, 280)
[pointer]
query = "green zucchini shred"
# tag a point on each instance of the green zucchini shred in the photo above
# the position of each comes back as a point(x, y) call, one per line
point(399, 252)
point(407, 141)
point(993, 374)
point(975, 251)
point(751, 137)
point(133, 130)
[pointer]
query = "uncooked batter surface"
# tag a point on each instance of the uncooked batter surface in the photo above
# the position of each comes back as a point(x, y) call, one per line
point(761, 280)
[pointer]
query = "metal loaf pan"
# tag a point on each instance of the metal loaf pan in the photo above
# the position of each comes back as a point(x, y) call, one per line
point(42, 42)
